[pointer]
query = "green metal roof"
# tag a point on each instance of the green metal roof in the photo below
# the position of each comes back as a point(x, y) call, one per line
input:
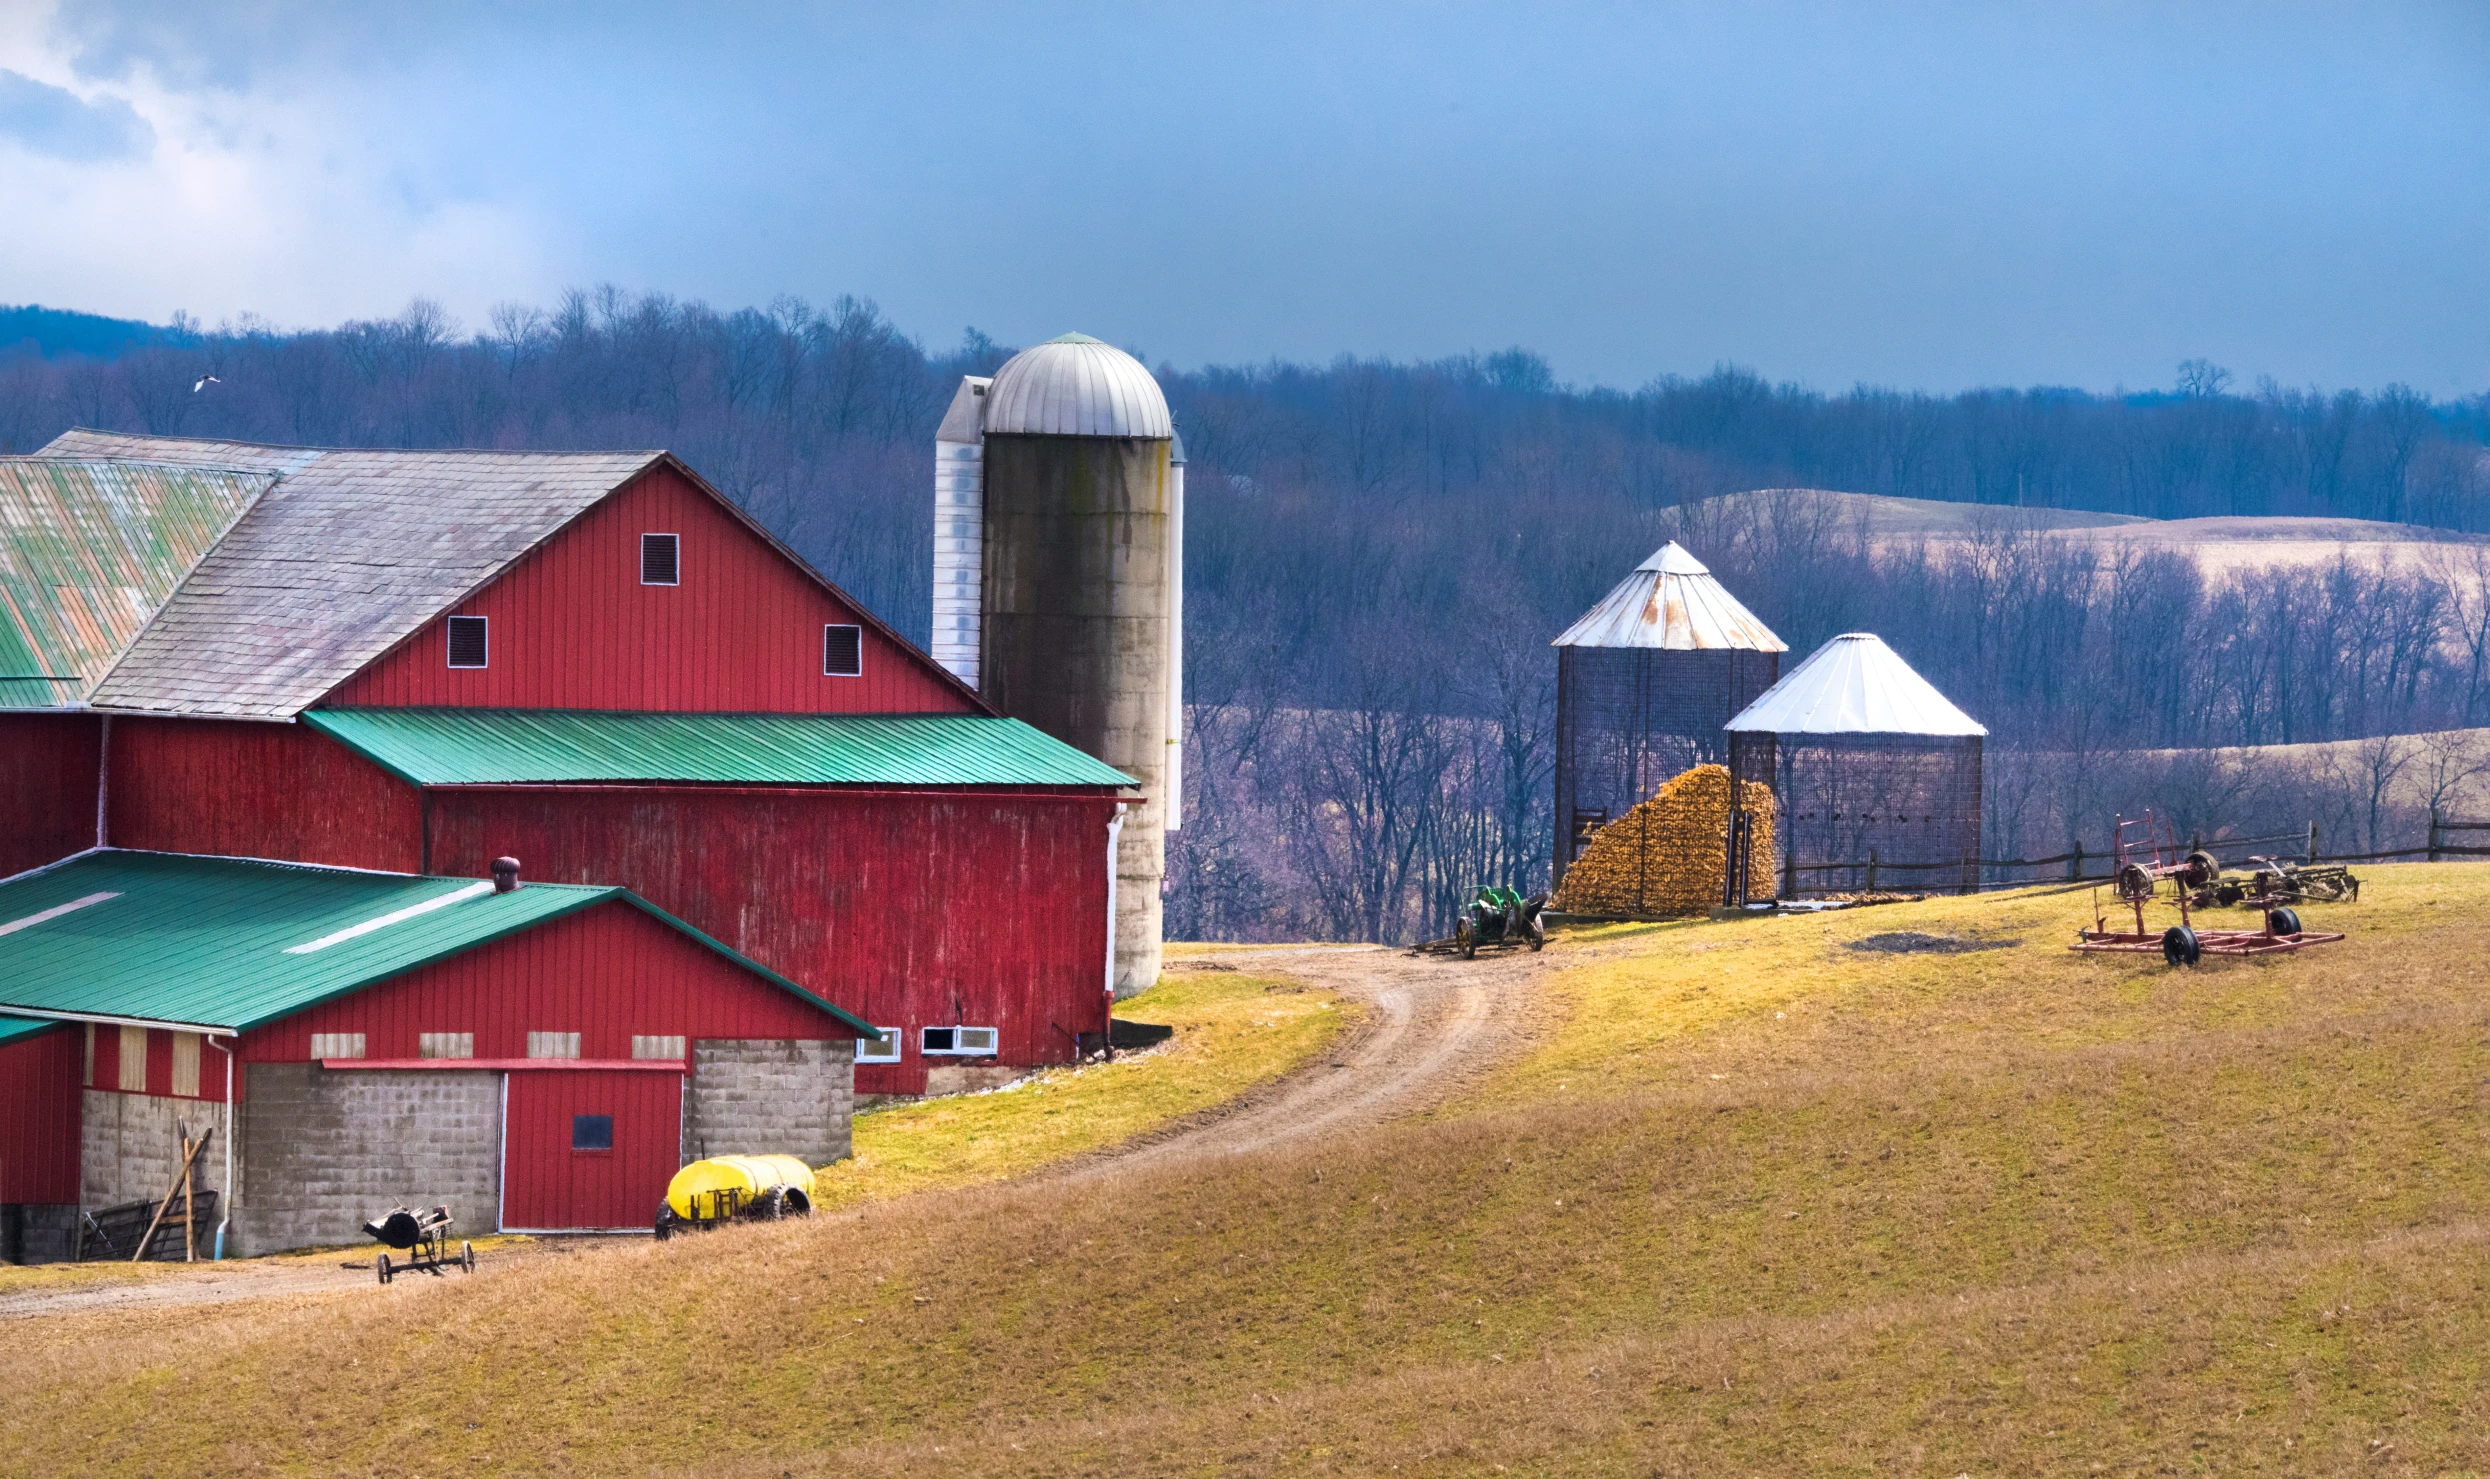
point(13, 1028)
point(455, 747)
point(232, 943)
point(89, 550)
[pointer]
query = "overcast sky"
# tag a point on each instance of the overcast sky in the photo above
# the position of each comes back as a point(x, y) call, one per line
point(1925, 196)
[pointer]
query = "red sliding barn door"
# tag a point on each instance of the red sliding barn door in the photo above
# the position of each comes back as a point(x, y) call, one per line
point(590, 1148)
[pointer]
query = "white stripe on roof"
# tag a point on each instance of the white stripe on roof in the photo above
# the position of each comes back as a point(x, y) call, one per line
point(394, 916)
point(55, 912)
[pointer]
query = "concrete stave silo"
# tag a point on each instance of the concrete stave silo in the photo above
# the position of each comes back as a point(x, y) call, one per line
point(1073, 489)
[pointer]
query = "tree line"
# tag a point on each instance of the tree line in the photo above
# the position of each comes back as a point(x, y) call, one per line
point(1379, 551)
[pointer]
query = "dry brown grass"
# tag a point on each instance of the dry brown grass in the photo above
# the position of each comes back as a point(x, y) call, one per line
point(1996, 1214)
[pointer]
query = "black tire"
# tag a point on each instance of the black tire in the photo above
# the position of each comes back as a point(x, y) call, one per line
point(771, 1204)
point(2284, 921)
point(380, 1265)
point(665, 1223)
point(1467, 939)
point(1538, 935)
point(467, 1257)
point(2179, 946)
point(798, 1204)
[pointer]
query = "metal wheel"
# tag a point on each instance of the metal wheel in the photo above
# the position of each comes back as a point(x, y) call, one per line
point(2134, 882)
point(2200, 869)
point(2284, 921)
point(381, 1264)
point(1467, 938)
point(467, 1257)
point(2179, 946)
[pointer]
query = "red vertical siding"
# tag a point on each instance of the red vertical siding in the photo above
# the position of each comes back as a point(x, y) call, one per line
point(47, 788)
point(39, 1118)
point(258, 791)
point(905, 908)
point(573, 628)
point(549, 1186)
point(608, 973)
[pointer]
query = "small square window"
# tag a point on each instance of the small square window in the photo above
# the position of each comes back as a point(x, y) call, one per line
point(661, 559)
point(468, 645)
point(889, 1050)
point(842, 651)
point(592, 1132)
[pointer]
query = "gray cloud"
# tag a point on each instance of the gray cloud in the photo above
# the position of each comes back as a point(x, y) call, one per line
point(54, 121)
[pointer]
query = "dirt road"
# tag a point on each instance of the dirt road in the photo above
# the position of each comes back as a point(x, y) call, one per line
point(1433, 1027)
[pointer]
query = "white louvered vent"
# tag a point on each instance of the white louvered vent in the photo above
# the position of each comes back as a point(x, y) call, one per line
point(445, 1045)
point(337, 1045)
point(661, 1048)
point(553, 1044)
point(469, 644)
point(842, 651)
point(661, 559)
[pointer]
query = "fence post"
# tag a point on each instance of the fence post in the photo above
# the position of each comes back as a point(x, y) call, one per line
point(1789, 871)
point(2075, 865)
point(1871, 887)
point(2433, 834)
point(2312, 843)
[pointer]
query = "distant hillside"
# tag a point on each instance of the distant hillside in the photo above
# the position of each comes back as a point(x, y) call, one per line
point(2218, 544)
point(47, 333)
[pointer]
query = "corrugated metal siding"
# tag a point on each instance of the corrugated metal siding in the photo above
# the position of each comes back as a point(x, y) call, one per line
point(547, 1185)
point(39, 1104)
point(906, 909)
point(573, 628)
point(608, 973)
point(450, 747)
point(252, 790)
point(47, 787)
point(88, 552)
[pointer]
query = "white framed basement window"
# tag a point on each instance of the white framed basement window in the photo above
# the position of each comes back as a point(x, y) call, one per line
point(960, 1042)
point(470, 641)
point(891, 1049)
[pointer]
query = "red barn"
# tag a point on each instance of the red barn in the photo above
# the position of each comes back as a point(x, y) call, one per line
point(538, 1057)
point(418, 661)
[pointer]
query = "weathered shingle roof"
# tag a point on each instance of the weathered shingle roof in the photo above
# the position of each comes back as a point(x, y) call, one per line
point(88, 552)
point(350, 553)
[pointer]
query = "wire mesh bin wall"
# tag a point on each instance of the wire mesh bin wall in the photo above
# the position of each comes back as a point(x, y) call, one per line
point(1870, 811)
point(1629, 718)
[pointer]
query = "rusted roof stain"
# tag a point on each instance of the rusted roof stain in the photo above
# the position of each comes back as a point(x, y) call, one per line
point(89, 550)
point(1671, 601)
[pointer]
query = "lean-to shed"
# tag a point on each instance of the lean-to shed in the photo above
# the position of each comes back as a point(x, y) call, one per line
point(1644, 682)
point(1870, 764)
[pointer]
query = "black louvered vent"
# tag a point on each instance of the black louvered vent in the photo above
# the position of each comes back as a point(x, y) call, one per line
point(661, 559)
point(842, 651)
point(468, 648)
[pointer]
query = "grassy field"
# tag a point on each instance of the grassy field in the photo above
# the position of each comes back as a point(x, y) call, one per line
point(1232, 1031)
point(1763, 1203)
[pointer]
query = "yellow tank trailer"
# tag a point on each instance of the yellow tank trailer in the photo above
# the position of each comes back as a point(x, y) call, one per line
point(706, 1193)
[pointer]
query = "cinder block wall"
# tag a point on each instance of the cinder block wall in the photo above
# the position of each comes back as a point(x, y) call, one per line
point(129, 1146)
point(327, 1150)
point(770, 1098)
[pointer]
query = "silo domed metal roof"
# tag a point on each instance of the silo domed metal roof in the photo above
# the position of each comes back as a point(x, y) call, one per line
point(1076, 386)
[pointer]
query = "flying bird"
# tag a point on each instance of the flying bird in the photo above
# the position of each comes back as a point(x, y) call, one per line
point(204, 382)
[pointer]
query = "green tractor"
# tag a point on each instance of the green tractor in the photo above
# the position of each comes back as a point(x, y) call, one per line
point(1499, 916)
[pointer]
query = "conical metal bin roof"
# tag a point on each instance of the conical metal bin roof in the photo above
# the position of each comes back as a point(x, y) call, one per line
point(1854, 684)
point(1672, 602)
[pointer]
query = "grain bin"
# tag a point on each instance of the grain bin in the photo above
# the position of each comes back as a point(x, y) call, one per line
point(1644, 682)
point(1059, 484)
point(1877, 773)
